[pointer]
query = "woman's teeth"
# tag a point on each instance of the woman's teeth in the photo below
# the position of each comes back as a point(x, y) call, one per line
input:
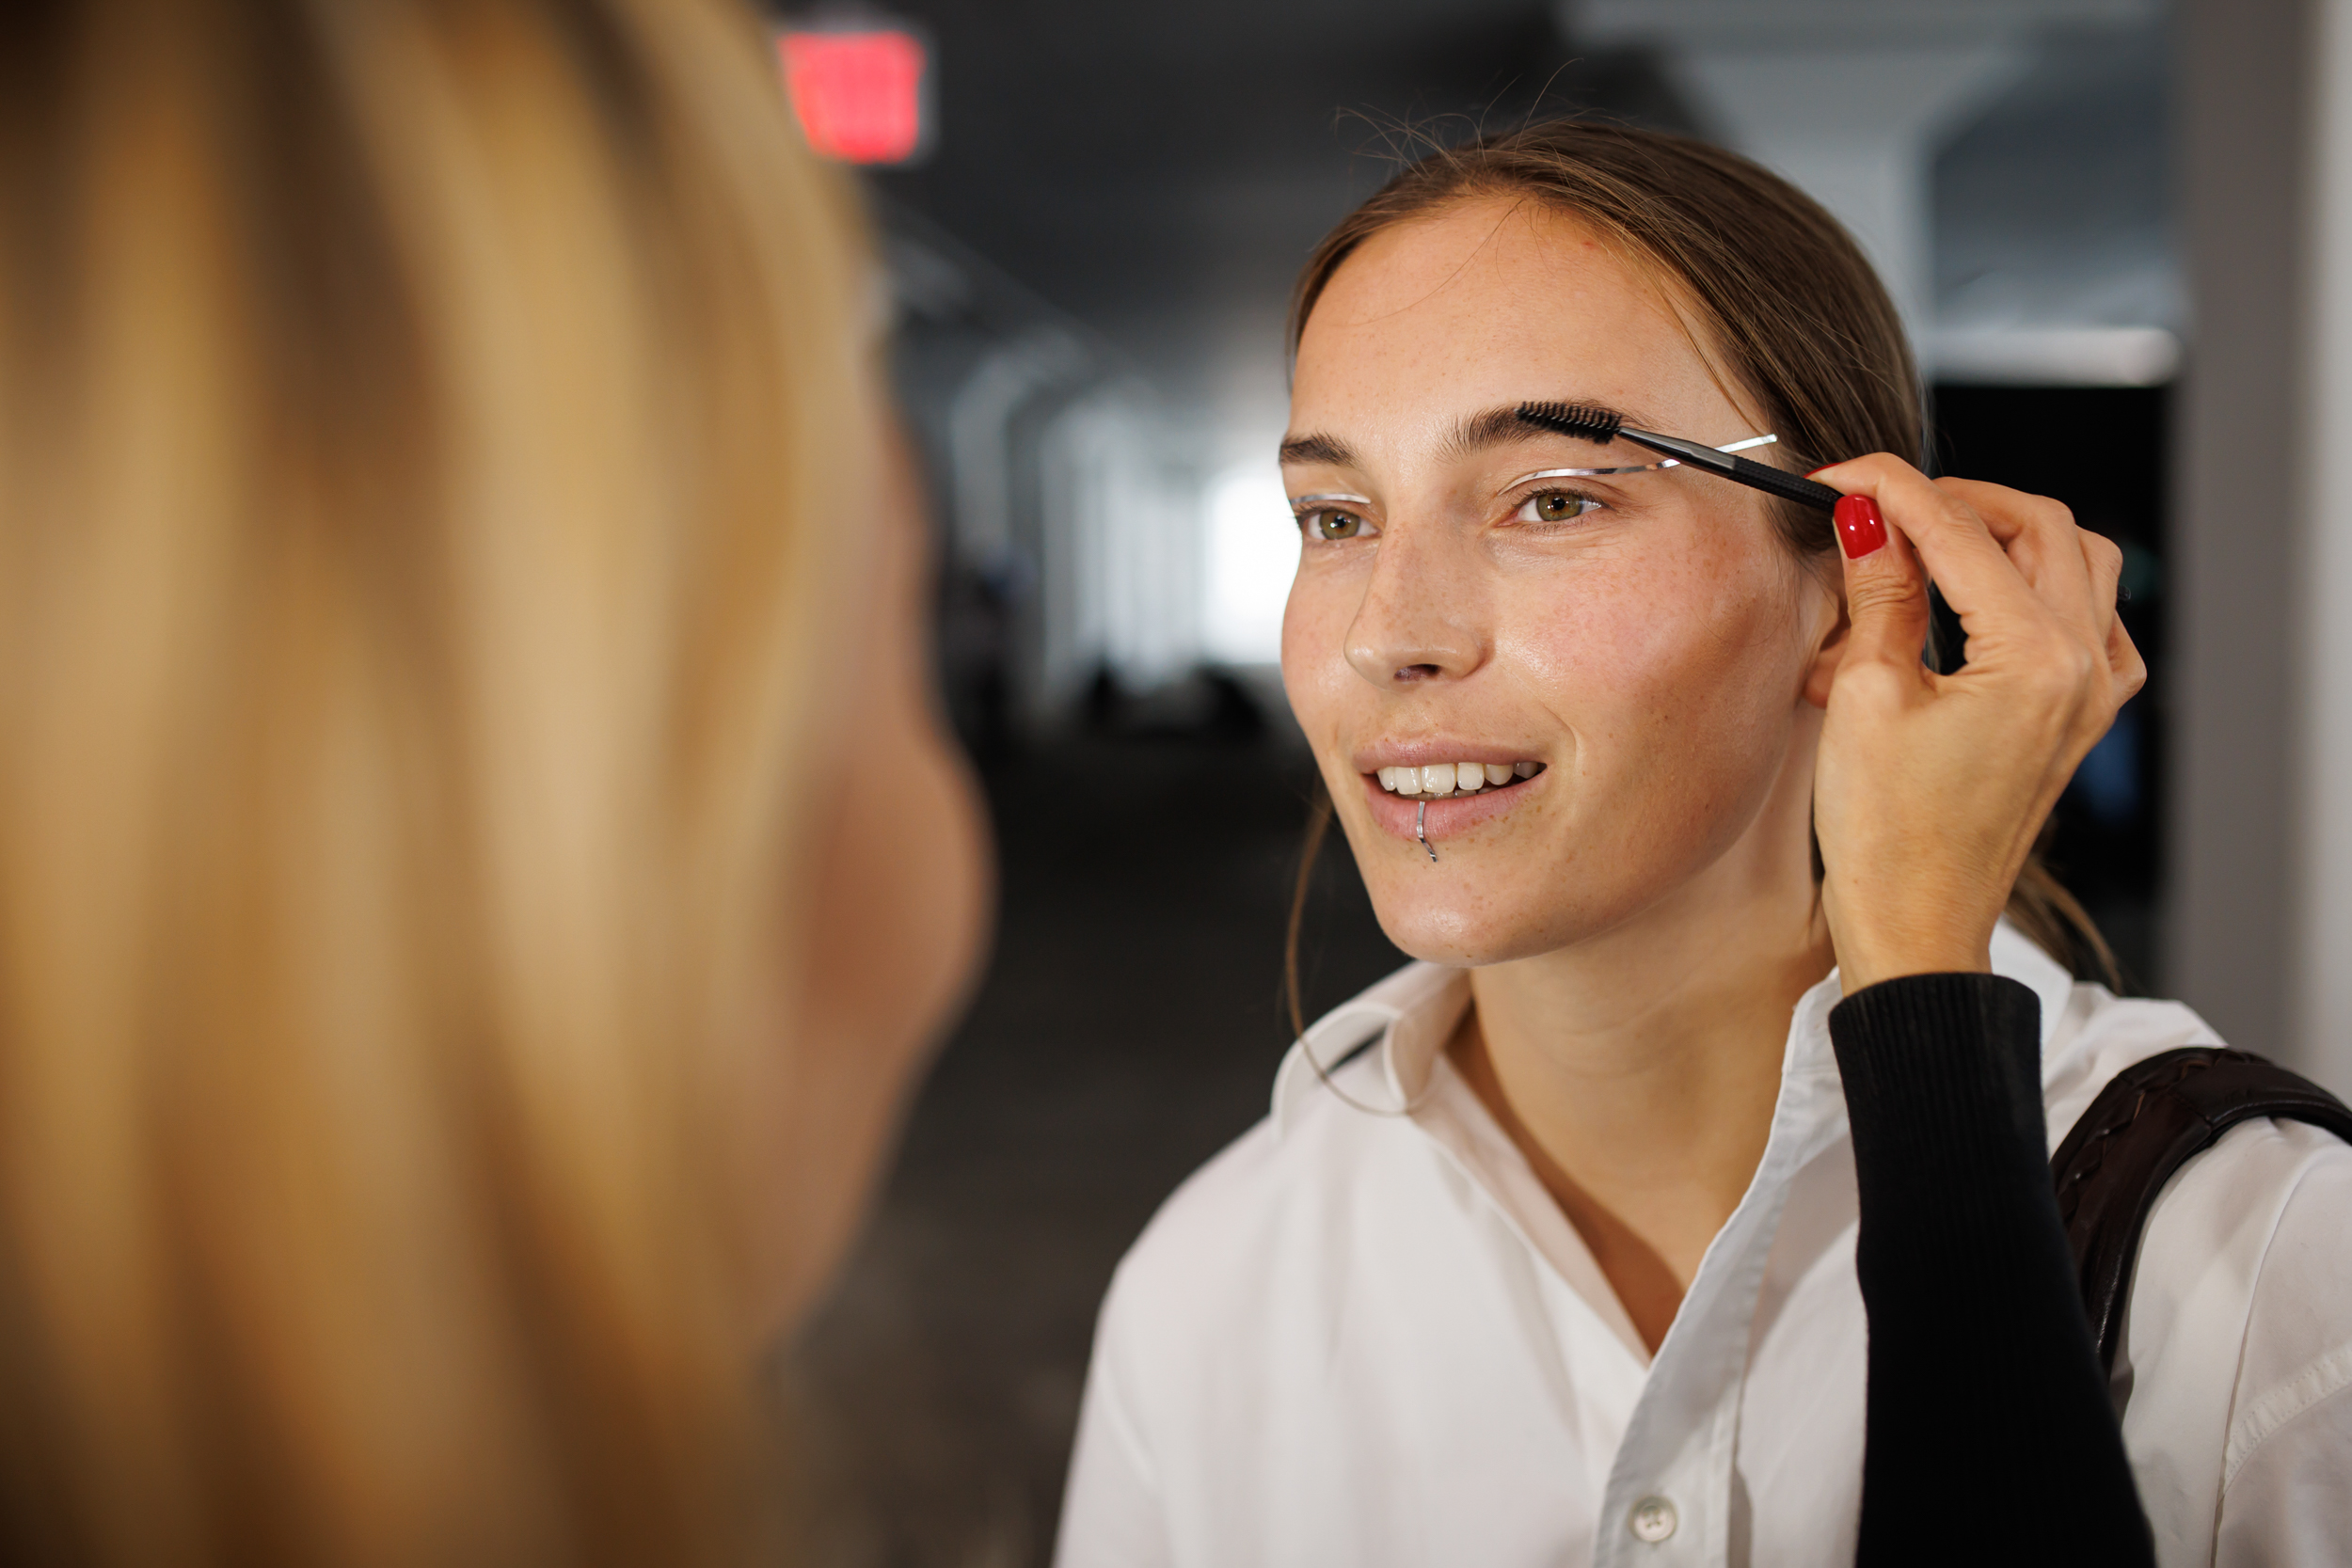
point(1454, 778)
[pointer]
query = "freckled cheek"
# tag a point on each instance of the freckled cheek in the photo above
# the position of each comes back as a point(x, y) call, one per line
point(1651, 672)
point(1315, 672)
point(1606, 659)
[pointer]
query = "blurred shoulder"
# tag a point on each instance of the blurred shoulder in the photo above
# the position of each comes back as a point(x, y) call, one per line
point(2237, 1341)
point(2098, 1034)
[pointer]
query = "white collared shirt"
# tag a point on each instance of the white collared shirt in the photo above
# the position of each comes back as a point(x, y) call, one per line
point(1366, 1340)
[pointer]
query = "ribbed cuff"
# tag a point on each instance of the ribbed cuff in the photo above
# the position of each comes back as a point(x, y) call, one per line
point(1934, 1064)
point(1943, 1092)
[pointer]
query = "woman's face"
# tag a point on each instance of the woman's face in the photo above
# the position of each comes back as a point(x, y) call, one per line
point(1642, 644)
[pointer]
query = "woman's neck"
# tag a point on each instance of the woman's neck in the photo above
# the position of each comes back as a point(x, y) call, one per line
point(1637, 1071)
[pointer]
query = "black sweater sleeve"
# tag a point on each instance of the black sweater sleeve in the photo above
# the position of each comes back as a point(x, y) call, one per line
point(1991, 1437)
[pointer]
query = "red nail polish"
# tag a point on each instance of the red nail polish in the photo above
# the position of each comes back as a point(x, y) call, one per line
point(1860, 529)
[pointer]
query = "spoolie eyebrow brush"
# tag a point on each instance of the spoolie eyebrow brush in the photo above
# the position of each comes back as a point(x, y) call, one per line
point(1600, 426)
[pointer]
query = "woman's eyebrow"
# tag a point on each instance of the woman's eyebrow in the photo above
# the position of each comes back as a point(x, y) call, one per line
point(1502, 426)
point(1475, 434)
point(1317, 449)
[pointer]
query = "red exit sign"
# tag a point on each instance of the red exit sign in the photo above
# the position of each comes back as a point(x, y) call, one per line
point(859, 93)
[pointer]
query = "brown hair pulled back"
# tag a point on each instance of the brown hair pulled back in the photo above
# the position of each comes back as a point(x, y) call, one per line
point(1778, 296)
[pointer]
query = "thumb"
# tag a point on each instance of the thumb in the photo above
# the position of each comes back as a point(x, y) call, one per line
point(1886, 590)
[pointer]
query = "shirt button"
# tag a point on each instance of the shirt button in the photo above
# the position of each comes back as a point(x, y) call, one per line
point(1652, 1520)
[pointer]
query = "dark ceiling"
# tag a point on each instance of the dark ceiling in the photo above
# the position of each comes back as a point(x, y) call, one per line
point(1158, 171)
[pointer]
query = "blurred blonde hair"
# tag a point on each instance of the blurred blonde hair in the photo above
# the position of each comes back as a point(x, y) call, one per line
point(422, 424)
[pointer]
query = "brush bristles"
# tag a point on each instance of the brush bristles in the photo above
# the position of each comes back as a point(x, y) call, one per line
point(1573, 418)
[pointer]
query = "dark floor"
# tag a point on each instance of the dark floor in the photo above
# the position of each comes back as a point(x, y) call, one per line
point(1130, 1027)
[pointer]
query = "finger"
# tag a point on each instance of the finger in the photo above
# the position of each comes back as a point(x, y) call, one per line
point(2124, 658)
point(2010, 513)
point(1958, 550)
point(2102, 558)
point(2041, 538)
point(1886, 590)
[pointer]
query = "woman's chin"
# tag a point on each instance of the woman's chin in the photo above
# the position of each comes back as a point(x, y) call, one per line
point(1467, 933)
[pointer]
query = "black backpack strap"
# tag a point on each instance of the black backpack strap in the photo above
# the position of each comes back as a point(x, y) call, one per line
point(2144, 1126)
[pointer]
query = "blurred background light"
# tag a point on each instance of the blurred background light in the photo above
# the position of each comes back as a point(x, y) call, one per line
point(859, 91)
point(1251, 552)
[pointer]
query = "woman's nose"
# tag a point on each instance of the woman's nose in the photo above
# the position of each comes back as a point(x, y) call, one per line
point(1420, 617)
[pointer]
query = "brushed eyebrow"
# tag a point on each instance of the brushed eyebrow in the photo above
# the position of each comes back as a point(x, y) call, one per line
point(1328, 450)
point(1475, 434)
point(1498, 427)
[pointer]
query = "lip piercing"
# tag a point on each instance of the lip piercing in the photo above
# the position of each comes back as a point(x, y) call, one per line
point(1421, 830)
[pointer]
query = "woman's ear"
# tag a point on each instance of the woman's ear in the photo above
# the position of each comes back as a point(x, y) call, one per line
point(1832, 630)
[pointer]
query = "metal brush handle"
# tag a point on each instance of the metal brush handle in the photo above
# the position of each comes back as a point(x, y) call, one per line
point(1781, 483)
point(1760, 476)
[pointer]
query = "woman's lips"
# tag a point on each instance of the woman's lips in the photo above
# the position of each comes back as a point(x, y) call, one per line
point(1445, 815)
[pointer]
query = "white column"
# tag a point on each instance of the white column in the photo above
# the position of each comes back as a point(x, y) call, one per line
point(1855, 128)
point(1851, 100)
point(2236, 942)
point(1122, 547)
point(2321, 1019)
point(979, 422)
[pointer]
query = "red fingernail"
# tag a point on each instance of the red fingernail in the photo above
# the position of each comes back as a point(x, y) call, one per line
point(1860, 529)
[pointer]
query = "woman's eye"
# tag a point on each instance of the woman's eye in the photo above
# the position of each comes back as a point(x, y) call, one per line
point(1330, 523)
point(1555, 506)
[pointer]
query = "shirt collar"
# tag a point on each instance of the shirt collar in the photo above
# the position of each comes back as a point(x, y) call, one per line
point(1407, 1020)
point(2017, 956)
